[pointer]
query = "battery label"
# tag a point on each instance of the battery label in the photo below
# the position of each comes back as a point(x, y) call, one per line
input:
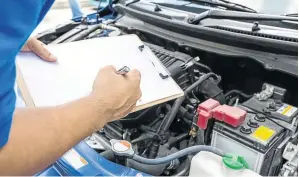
point(74, 159)
point(263, 133)
point(287, 110)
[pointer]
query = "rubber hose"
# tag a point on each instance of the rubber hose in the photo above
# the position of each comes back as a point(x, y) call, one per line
point(237, 92)
point(109, 155)
point(176, 155)
point(176, 139)
point(185, 113)
point(203, 66)
point(85, 33)
point(169, 119)
point(178, 102)
point(200, 81)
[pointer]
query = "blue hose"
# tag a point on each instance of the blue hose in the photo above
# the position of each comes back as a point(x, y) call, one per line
point(171, 157)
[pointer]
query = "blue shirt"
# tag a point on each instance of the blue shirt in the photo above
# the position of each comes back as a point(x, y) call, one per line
point(18, 19)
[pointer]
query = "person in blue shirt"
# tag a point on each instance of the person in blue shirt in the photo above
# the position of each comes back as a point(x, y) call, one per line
point(76, 9)
point(33, 138)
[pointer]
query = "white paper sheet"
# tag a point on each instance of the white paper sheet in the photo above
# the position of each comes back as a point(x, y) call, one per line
point(78, 63)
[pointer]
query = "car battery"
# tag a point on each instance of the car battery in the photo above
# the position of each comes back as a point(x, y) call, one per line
point(270, 102)
point(256, 139)
point(82, 160)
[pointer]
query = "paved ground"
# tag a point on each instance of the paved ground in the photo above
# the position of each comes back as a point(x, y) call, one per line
point(58, 4)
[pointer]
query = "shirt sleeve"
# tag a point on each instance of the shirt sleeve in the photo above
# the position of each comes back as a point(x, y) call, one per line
point(18, 19)
point(7, 98)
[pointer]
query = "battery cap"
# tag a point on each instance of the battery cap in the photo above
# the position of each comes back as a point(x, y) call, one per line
point(245, 129)
point(235, 162)
point(253, 123)
point(260, 117)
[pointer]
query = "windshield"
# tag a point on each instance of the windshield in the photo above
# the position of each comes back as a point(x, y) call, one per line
point(274, 7)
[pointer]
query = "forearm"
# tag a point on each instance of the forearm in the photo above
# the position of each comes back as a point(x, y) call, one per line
point(38, 132)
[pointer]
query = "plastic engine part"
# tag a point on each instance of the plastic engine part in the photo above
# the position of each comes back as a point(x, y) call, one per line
point(233, 116)
point(82, 160)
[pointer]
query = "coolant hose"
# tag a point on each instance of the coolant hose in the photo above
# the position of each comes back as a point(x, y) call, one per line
point(178, 102)
point(176, 155)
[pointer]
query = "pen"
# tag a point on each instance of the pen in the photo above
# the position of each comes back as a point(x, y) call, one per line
point(123, 71)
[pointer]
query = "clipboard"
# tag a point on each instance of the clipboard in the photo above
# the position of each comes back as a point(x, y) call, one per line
point(34, 76)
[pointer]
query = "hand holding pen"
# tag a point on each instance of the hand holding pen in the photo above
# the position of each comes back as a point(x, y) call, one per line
point(120, 94)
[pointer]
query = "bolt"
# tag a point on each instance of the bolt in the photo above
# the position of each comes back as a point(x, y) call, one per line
point(161, 115)
point(255, 26)
point(290, 149)
point(269, 66)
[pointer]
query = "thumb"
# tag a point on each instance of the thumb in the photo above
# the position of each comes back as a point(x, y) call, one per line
point(38, 48)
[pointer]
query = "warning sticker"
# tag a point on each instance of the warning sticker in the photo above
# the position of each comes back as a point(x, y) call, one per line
point(287, 110)
point(263, 133)
point(75, 160)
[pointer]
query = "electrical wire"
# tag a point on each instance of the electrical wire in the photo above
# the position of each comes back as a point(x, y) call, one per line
point(237, 92)
point(272, 119)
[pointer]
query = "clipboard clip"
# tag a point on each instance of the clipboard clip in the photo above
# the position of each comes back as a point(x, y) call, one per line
point(161, 70)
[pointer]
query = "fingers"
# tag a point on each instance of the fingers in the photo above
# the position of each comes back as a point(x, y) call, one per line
point(108, 69)
point(38, 48)
point(135, 77)
point(134, 73)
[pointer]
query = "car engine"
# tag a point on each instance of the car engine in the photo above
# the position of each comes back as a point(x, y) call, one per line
point(233, 103)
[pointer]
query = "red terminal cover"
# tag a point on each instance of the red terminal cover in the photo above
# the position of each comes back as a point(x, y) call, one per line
point(233, 116)
point(212, 109)
point(205, 112)
point(218, 113)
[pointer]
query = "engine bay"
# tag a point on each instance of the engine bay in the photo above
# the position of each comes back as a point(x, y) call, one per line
point(234, 103)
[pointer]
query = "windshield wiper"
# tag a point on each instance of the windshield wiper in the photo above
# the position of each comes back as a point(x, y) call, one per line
point(226, 4)
point(292, 15)
point(221, 14)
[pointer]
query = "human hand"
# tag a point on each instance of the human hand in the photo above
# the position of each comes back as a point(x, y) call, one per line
point(117, 93)
point(37, 47)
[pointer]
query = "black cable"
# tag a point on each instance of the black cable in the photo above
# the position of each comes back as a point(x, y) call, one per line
point(185, 114)
point(178, 102)
point(85, 33)
point(269, 117)
point(203, 66)
point(176, 139)
point(237, 92)
point(265, 114)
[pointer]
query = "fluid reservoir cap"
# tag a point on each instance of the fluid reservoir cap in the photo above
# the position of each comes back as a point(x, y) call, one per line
point(235, 162)
point(122, 148)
